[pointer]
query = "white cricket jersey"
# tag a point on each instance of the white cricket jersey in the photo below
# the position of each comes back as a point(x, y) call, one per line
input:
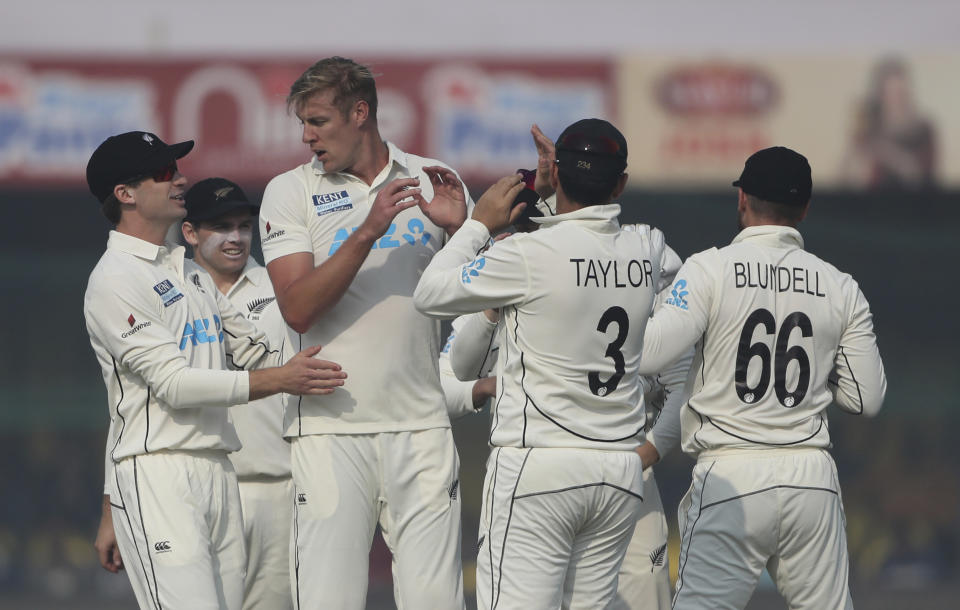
point(388, 350)
point(773, 324)
point(575, 297)
point(164, 335)
point(260, 423)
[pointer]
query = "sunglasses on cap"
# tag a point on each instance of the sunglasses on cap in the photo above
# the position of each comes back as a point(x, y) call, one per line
point(164, 174)
point(593, 144)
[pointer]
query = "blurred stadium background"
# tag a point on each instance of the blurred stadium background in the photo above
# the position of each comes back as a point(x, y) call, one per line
point(867, 90)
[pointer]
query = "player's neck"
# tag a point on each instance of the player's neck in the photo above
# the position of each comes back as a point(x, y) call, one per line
point(136, 226)
point(373, 157)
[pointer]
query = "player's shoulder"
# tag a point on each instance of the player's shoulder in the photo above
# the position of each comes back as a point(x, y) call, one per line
point(416, 163)
point(197, 275)
point(290, 180)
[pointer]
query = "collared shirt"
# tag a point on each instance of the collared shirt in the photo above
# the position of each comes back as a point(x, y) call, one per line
point(575, 297)
point(260, 423)
point(388, 350)
point(780, 334)
point(164, 335)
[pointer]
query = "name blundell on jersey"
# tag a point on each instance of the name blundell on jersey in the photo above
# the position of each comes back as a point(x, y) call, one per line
point(775, 277)
point(610, 273)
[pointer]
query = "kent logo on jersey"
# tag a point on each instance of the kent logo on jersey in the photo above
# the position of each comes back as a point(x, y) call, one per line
point(169, 293)
point(331, 202)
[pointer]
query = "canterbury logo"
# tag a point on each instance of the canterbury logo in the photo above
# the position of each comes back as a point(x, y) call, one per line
point(162, 546)
point(658, 556)
point(301, 498)
point(454, 489)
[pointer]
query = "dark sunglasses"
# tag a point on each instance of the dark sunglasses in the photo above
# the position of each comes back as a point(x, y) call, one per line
point(164, 174)
point(594, 144)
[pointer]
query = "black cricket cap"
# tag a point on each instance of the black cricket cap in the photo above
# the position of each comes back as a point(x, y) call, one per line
point(214, 197)
point(129, 156)
point(592, 150)
point(777, 174)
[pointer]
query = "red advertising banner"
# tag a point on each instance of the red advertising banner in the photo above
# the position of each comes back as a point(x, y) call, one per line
point(473, 114)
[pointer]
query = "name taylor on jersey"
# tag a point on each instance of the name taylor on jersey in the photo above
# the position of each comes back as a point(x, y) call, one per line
point(774, 277)
point(600, 273)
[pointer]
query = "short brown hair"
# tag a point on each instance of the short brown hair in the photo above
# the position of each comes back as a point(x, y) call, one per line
point(111, 206)
point(780, 212)
point(348, 80)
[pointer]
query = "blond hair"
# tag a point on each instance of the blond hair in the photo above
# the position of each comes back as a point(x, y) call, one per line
point(349, 81)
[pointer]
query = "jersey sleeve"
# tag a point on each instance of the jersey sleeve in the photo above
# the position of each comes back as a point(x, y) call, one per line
point(246, 345)
point(470, 351)
point(283, 226)
point(681, 320)
point(152, 353)
point(460, 280)
point(858, 382)
point(457, 394)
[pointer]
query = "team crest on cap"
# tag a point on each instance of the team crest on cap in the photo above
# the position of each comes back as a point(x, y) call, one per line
point(148, 139)
point(221, 193)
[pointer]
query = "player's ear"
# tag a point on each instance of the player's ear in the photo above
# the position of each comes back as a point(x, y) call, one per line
point(554, 176)
point(189, 233)
point(124, 193)
point(361, 112)
point(741, 201)
point(803, 214)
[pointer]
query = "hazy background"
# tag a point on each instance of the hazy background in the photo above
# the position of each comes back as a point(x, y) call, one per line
point(867, 90)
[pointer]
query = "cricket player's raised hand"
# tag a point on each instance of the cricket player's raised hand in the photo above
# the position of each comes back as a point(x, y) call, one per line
point(448, 208)
point(546, 155)
point(495, 208)
point(397, 196)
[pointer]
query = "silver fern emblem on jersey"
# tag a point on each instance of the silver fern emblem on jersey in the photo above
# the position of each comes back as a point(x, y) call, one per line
point(258, 305)
point(658, 556)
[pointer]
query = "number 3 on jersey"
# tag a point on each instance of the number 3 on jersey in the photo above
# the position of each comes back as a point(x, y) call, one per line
point(747, 351)
point(618, 315)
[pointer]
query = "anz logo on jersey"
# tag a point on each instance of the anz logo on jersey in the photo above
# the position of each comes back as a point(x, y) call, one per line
point(413, 235)
point(196, 332)
point(678, 295)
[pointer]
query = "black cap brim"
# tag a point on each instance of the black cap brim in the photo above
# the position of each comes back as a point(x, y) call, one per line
point(221, 209)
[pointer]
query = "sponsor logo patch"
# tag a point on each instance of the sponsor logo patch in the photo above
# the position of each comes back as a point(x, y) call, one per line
point(301, 498)
point(169, 293)
point(162, 546)
point(136, 328)
point(332, 202)
point(472, 269)
point(199, 332)
point(678, 295)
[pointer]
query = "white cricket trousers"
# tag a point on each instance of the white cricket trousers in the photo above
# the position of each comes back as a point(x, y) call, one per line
point(179, 529)
point(644, 582)
point(344, 484)
point(554, 527)
point(267, 518)
point(777, 508)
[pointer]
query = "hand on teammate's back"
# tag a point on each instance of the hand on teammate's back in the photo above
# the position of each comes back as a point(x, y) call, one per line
point(494, 209)
point(448, 208)
point(395, 197)
point(305, 374)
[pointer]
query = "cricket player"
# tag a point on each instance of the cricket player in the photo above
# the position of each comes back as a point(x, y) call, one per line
point(564, 484)
point(163, 334)
point(780, 334)
point(219, 228)
point(346, 237)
